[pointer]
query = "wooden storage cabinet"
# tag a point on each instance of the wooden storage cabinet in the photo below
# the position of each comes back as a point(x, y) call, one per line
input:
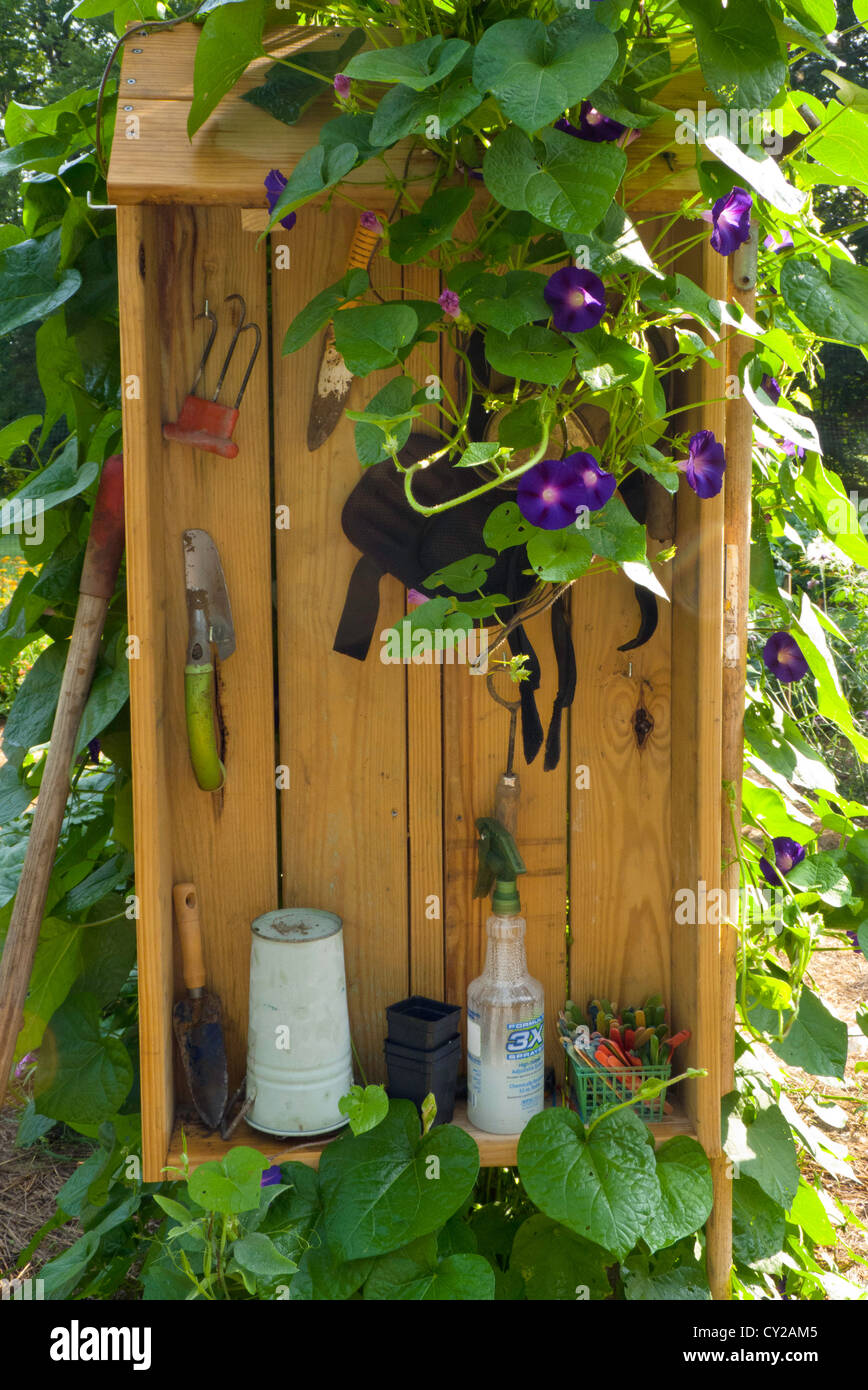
point(388, 765)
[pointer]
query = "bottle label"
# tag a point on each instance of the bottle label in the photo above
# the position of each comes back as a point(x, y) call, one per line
point(507, 1082)
point(524, 1039)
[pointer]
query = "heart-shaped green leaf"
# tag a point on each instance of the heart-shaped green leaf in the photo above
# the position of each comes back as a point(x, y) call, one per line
point(764, 1150)
point(318, 168)
point(537, 71)
point(418, 1274)
point(613, 533)
point(567, 183)
point(286, 92)
point(396, 398)
point(758, 1223)
point(530, 354)
point(505, 527)
point(505, 301)
point(232, 1184)
point(739, 51)
point(364, 1107)
point(404, 111)
point(259, 1257)
point(833, 304)
point(371, 336)
point(30, 286)
point(322, 308)
point(558, 556)
point(462, 576)
point(386, 1188)
point(416, 65)
point(83, 1076)
point(602, 1185)
point(556, 1263)
point(414, 236)
point(686, 1195)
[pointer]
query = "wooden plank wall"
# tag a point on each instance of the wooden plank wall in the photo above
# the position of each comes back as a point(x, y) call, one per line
point(388, 766)
point(342, 722)
point(225, 842)
point(382, 797)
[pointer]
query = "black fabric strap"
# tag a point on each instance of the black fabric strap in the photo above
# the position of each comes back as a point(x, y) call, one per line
point(632, 490)
point(566, 659)
point(531, 726)
point(361, 606)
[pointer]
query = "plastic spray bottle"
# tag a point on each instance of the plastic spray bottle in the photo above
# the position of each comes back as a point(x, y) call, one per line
point(505, 1005)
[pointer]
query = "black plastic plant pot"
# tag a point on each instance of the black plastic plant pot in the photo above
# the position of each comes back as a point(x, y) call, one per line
point(422, 1023)
point(413, 1073)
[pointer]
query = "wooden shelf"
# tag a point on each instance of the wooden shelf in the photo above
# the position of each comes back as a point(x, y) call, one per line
point(495, 1150)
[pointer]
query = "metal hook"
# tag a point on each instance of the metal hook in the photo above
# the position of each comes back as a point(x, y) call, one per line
point(243, 387)
point(241, 327)
point(212, 318)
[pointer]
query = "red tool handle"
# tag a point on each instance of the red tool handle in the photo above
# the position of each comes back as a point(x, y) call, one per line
point(105, 544)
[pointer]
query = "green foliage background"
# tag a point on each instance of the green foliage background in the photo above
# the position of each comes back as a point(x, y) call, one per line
point(579, 1214)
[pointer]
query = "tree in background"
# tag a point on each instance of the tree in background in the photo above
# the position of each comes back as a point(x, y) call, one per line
point(45, 54)
point(840, 398)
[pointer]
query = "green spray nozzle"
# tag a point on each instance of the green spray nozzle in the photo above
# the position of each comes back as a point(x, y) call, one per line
point(499, 865)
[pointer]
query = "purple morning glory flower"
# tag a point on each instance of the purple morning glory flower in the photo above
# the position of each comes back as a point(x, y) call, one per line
point(705, 464)
point(784, 244)
point(550, 493)
point(23, 1064)
point(450, 303)
point(275, 183)
point(577, 299)
point(593, 125)
point(371, 222)
point(772, 388)
point(342, 85)
point(731, 219)
point(788, 853)
point(783, 657)
point(790, 448)
point(271, 1176)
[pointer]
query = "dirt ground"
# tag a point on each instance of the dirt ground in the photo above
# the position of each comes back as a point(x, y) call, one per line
point(841, 978)
point(29, 1182)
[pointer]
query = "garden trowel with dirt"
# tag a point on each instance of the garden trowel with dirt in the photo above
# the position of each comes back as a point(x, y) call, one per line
point(334, 378)
point(210, 622)
point(198, 1019)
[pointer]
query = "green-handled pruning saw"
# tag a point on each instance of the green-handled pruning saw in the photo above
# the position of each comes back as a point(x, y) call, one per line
point(210, 622)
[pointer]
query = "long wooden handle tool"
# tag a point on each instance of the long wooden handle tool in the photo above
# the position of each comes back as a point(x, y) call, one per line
point(102, 559)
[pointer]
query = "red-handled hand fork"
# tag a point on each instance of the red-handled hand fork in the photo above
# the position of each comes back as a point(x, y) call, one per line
point(205, 424)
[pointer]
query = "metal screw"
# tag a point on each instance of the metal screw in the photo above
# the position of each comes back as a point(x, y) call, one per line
point(630, 671)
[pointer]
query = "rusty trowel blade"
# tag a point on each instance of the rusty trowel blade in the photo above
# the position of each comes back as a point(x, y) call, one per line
point(330, 393)
point(199, 1031)
point(206, 589)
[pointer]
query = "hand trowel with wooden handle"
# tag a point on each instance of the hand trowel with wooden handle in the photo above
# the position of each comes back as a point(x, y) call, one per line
point(334, 377)
point(197, 1020)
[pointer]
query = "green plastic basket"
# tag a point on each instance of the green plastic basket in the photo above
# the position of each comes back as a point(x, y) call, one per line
point(595, 1093)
